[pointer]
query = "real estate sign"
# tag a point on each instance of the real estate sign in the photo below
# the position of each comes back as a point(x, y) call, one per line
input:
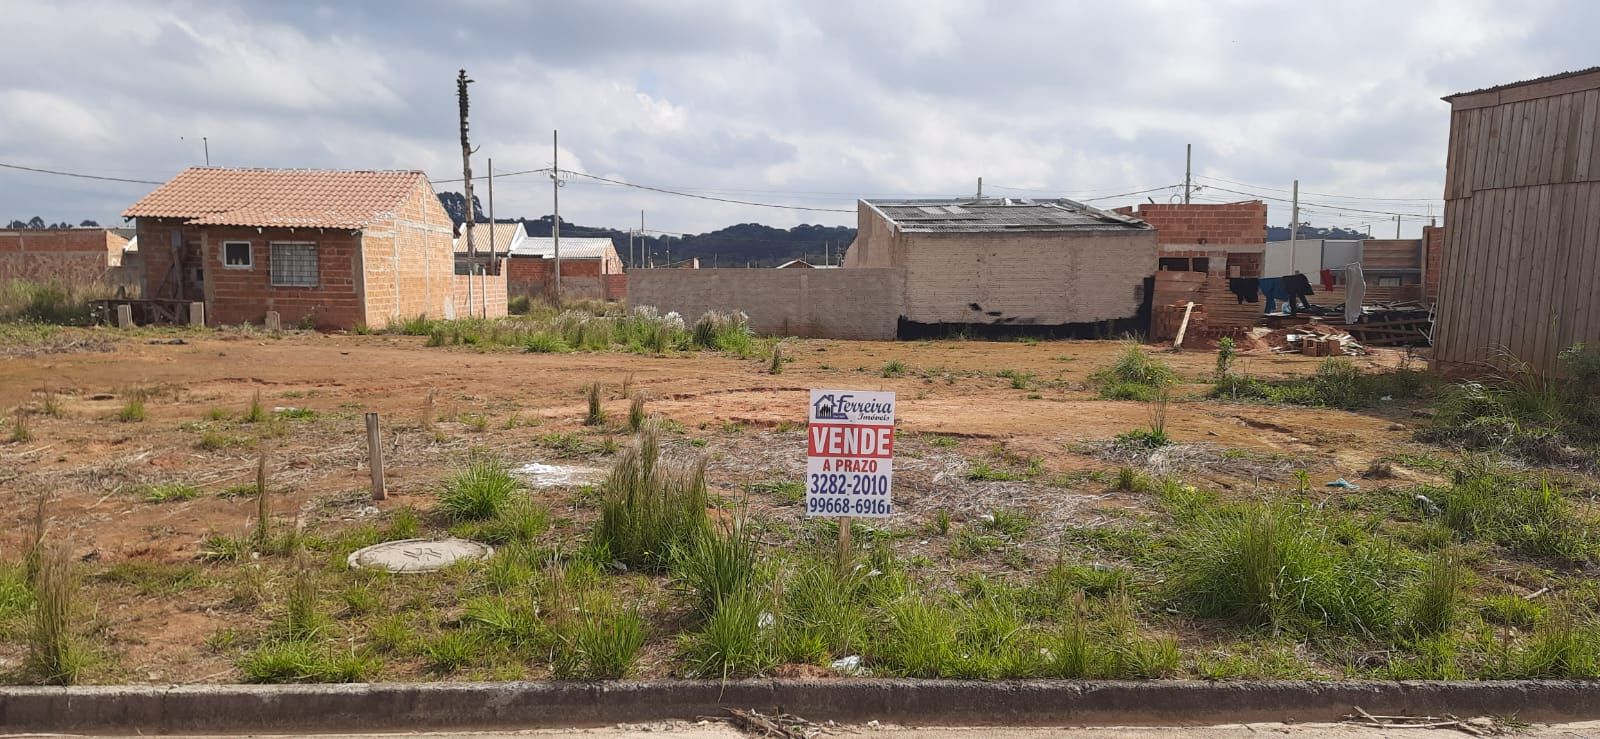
point(850, 454)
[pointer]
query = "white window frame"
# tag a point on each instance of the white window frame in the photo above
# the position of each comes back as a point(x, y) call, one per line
point(249, 253)
point(273, 263)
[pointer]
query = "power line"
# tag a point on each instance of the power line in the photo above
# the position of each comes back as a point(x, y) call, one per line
point(79, 175)
point(708, 197)
point(1303, 204)
point(1126, 194)
point(1323, 194)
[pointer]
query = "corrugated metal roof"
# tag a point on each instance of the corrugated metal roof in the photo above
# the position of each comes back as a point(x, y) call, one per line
point(505, 236)
point(278, 198)
point(572, 247)
point(1001, 215)
point(1509, 85)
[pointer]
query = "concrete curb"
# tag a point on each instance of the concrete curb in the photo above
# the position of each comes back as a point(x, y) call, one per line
point(396, 706)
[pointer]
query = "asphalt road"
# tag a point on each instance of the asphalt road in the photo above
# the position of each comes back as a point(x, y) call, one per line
point(722, 731)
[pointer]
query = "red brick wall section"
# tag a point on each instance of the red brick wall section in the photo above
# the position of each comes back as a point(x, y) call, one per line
point(74, 256)
point(616, 287)
point(581, 278)
point(1433, 247)
point(1229, 223)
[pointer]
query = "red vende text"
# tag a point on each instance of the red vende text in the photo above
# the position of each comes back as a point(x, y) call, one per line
point(850, 440)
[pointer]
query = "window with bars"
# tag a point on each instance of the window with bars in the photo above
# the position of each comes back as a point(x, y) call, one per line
point(294, 265)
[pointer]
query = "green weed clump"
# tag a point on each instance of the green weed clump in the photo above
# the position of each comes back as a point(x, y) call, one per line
point(51, 302)
point(650, 506)
point(1135, 375)
point(1273, 565)
point(308, 662)
point(55, 655)
point(168, 492)
point(478, 491)
point(735, 641)
point(717, 564)
point(1532, 415)
point(726, 332)
point(893, 368)
point(602, 643)
point(596, 415)
point(132, 411)
point(545, 343)
point(1336, 383)
point(1526, 516)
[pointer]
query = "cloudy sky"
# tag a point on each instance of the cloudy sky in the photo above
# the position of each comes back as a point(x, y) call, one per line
point(807, 103)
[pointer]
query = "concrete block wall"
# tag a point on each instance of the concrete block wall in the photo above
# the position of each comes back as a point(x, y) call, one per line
point(76, 256)
point(835, 303)
point(1226, 223)
point(1042, 279)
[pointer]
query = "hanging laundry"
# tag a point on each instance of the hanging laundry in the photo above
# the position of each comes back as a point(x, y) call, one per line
point(1298, 287)
point(1272, 289)
point(1327, 280)
point(1248, 289)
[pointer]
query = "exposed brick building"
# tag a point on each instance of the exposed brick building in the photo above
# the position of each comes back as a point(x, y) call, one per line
point(71, 256)
point(590, 268)
point(333, 248)
point(1201, 248)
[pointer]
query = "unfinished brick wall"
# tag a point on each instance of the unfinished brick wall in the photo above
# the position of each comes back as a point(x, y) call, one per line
point(236, 295)
point(1226, 223)
point(409, 269)
point(478, 296)
point(77, 256)
point(1433, 261)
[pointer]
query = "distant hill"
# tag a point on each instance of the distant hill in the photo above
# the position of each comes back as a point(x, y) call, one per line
point(751, 244)
point(1310, 232)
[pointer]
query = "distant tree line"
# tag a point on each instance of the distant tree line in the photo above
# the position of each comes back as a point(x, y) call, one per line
point(745, 244)
point(1310, 232)
point(37, 223)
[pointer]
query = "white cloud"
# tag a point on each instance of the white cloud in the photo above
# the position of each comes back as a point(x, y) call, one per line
point(809, 103)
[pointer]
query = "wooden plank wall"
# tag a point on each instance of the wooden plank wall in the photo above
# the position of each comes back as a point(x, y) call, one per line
point(1522, 213)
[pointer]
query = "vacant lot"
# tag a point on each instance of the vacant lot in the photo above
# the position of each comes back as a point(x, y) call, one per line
point(1028, 539)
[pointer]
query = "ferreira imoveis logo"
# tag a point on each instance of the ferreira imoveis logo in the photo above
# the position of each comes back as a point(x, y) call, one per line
point(826, 408)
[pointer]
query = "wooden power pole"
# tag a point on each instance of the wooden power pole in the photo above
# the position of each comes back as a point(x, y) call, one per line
point(466, 161)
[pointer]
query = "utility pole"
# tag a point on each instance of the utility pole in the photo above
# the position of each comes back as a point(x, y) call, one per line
point(630, 248)
point(1397, 227)
point(980, 188)
point(1294, 222)
point(206, 142)
point(492, 242)
point(466, 160)
point(1188, 163)
point(555, 191)
point(644, 242)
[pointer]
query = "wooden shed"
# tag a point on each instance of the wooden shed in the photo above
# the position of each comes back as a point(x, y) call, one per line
point(1522, 223)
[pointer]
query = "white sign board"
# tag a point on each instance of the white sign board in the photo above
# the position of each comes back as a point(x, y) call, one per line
point(850, 454)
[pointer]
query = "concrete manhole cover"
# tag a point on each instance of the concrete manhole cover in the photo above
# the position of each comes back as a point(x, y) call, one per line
point(417, 555)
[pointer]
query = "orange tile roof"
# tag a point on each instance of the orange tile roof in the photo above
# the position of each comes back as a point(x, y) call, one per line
point(278, 198)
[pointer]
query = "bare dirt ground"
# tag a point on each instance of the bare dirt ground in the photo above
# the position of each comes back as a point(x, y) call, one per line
point(956, 410)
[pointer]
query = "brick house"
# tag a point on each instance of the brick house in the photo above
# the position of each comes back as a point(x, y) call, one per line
point(333, 248)
point(590, 268)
